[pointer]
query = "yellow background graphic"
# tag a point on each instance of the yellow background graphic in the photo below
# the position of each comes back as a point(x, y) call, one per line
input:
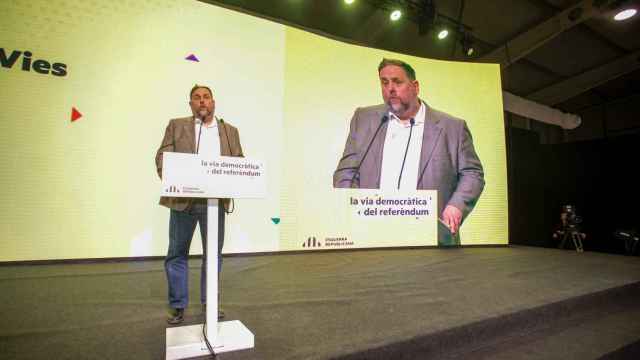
point(89, 189)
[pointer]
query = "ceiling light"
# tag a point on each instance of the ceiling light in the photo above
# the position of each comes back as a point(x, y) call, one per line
point(349, 2)
point(443, 34)
point(467, 45)
point(395, 15)
point(625, 14)
point(469, 51)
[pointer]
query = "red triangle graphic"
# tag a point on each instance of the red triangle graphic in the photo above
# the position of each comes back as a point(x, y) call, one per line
point(75, 114)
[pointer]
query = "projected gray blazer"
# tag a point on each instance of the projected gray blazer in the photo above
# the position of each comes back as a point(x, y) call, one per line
point(448, 160)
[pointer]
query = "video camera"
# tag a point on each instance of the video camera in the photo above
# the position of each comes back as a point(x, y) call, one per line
point(573, 220)
point(631, 240)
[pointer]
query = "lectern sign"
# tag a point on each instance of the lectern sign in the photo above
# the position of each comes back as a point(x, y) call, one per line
point(191, 175)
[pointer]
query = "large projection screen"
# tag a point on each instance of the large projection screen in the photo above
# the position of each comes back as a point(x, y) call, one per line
point(89, 188)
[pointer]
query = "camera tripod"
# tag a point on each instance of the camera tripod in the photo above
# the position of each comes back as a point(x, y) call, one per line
point(575, 236)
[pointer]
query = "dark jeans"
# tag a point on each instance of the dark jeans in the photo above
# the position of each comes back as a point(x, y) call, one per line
point(182, 225)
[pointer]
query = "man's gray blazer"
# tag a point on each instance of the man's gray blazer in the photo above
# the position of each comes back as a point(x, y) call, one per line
point(448, 161)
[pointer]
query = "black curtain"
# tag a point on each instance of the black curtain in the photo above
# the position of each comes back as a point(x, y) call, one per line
point(595, 176)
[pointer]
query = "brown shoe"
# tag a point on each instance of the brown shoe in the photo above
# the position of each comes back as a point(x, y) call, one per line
point(176, 316)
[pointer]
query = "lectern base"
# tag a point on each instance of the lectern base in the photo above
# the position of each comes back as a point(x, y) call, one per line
point(187, 341)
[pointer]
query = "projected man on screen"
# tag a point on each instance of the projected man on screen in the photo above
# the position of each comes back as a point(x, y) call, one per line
point(405, 144)
point(204, 134)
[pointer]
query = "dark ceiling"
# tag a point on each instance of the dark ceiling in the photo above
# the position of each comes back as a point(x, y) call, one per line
point(569, 54)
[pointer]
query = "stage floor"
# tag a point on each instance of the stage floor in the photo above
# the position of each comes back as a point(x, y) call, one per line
point(503, 302)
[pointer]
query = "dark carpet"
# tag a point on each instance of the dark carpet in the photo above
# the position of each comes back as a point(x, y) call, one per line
point(479, 303)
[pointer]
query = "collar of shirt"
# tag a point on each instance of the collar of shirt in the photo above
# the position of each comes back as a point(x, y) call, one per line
point(213, 123)
point(418, 119)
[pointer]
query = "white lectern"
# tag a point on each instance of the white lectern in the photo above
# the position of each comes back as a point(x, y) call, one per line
point(190, 175)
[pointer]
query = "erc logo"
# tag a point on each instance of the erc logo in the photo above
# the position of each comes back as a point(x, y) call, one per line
point(172, 189)
point(311, 243)
point(8, 60)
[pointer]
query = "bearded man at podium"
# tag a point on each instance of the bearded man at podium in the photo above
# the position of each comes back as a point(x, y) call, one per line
point(201, 133)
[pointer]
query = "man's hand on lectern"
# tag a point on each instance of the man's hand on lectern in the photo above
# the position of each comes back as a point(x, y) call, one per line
point(452, 217)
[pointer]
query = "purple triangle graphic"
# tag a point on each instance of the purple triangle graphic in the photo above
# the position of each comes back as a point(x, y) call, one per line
point(192, 58)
